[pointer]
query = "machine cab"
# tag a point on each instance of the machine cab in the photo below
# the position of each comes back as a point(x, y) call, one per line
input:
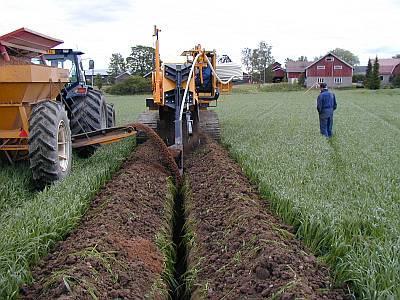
point(68, 59)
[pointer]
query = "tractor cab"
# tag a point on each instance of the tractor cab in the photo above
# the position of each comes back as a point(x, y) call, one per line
point(71, 60)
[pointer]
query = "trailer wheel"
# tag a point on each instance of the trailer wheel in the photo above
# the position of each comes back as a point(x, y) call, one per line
point(88, 113)
point(110, 115)
point(50, 147)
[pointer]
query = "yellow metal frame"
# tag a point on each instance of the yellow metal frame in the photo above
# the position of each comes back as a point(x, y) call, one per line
point(22, 86)
point(160, 83)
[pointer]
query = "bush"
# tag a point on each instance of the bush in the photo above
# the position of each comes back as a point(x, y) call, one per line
point(396, 81)
point(98, 81)
point(280, 87)
point(359, 77)
point(131, 86)
point(302, 80)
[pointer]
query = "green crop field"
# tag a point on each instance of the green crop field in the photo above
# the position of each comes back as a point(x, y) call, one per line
point(343, 194)
point(31, 222)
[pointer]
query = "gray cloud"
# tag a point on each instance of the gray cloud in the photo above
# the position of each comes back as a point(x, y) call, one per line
point(79, 13)
point(383, 49)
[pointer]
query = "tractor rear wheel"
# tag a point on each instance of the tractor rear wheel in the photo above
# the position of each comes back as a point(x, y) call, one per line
point(110, 115)
point(88, 113)
point(50, 147)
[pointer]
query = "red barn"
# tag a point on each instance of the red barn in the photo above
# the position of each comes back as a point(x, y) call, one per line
point(294, 69)
point(388, 68)
point(279, 72)
point(332, 70)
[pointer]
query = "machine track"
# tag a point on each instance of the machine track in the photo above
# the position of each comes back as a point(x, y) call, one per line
point(209, 124)
point(150, 118)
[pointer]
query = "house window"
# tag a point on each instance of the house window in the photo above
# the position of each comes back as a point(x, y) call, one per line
point(320, 67)
point(329, 59)
point(320, 80)
point(338, 67)
point(381, 77)
point(338, 80)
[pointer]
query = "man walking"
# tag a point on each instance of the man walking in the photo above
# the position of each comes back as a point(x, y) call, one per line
point(326, 104)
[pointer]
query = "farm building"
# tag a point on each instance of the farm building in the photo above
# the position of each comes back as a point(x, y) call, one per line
point(103, 73)
point(388, 67)
point(294, 69)
point(332, 70)
point(279, 72)
point(121, 77)
point(360, 70)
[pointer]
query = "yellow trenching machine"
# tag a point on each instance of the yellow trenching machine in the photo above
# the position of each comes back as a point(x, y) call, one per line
point(182, 93)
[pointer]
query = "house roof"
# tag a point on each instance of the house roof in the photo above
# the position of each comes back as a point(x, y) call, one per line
point(102, 72)
point(387, 65)
point(123, 74)
point(297, 66)
point(277, 66)
point(360, 69)
point(329, 54)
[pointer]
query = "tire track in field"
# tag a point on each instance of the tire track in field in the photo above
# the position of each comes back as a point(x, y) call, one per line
point(268, 110)
point(375, 116)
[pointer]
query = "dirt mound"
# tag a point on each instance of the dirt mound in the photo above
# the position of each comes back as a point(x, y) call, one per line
point(15, 61)
point(241, 250)
point(113, 252)
point(163, 152)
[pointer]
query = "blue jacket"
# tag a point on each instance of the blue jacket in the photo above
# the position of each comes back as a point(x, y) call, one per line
point(326, 102)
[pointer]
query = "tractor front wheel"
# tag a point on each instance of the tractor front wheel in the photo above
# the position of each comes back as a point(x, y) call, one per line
point(50, 147)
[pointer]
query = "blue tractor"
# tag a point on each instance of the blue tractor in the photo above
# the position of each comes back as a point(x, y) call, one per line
point(86, 107)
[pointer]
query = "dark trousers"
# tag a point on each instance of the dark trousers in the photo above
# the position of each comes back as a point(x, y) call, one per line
point(326, 123)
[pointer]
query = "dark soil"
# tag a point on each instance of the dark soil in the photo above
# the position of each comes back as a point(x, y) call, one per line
point(113, 252)
point(241, 250)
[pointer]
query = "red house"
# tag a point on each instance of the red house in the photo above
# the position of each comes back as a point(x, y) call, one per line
point(332, 70)
point(294, 69)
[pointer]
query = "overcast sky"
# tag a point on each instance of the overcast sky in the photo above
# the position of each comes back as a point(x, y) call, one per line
point(293, 28)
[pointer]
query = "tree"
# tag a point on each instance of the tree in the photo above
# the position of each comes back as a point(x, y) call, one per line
point(375, 78)
point(302, 58)
point(347, 56)
point(288, 60)
point(269, 74)
point(265, 57)
point(140, 61)
point(247, 54)
point(98, 81)
point(117, 66)
point(396, 56)
point(368, 75)
point(256, 61)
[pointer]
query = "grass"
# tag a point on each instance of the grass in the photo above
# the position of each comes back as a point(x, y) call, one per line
point(343, 194)
point(164, 285)
point(32, 222)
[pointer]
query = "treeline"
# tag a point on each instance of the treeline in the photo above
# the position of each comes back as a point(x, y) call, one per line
point(136, 65)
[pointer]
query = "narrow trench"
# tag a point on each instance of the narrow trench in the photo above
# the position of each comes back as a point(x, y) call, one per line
point(179, 291)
